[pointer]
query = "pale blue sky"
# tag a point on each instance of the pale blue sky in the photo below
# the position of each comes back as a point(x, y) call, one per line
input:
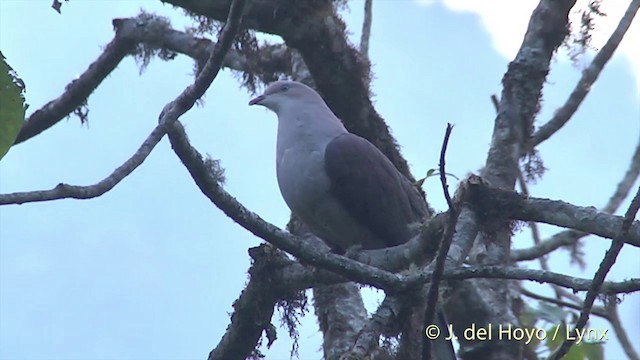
point(150, 269)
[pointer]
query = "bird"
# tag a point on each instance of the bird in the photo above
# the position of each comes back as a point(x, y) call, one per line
point(340, 185)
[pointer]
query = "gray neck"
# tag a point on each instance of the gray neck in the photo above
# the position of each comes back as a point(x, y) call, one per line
point(307, 130)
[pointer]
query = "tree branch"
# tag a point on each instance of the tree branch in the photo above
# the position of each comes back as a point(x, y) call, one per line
point(599, 311)
point(601, 273)
point(318, 34)
point(624, 186)
point(540, 276)
point(589, 77)
point(366, 29)
point(307, 251)
point(154, 32)
point(77, 91)
point(570, 237)
point(252, 310)
point(433, 292)
point(554, 212)
point(611, 307)
point(171, 113)
point(387, 314)
point(518, 105)
point(535, 233)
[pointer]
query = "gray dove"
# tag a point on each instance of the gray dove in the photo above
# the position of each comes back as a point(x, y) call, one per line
point(338, 183)
point(342, 187)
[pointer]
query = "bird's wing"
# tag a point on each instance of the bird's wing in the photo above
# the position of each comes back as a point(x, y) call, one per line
point(371, 189)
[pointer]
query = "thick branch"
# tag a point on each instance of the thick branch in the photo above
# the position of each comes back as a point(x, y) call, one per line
point(252, 310)
point(518, 106)
point(315, 30)
point(554, 212)
point(522, 89)
point(540, 276)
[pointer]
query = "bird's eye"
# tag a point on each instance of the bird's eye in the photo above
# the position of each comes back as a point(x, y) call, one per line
point(285, 87)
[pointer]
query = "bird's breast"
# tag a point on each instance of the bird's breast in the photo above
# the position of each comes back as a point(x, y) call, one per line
point(302, 178)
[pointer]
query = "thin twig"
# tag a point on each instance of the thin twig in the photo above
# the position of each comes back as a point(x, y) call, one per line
point(366, 29)
point(599, 311)
point(447, 238)
point(612, 311)
point(443, 174)
point(606, 264)
point(589, 76)
point(625, 184)
point(170, 114)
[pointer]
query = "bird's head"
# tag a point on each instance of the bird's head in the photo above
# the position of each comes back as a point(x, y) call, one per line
point(284, 94)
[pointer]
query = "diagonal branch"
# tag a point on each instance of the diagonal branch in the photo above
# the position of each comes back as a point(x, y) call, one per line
point(154, 32)
point(589, 76)
point(76, 92)
point(306, 251)
point(171, 113)
point(310, 253)
point(601, 273)
point(624, 186)
point(611, 307)
point(252, 310)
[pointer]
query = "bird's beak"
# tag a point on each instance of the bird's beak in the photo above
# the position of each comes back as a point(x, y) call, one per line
point(256, 100)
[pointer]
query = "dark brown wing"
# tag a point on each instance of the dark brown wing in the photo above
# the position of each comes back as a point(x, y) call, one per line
point(374, 192)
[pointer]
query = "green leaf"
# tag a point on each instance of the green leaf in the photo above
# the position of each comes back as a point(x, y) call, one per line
point(12, 105)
